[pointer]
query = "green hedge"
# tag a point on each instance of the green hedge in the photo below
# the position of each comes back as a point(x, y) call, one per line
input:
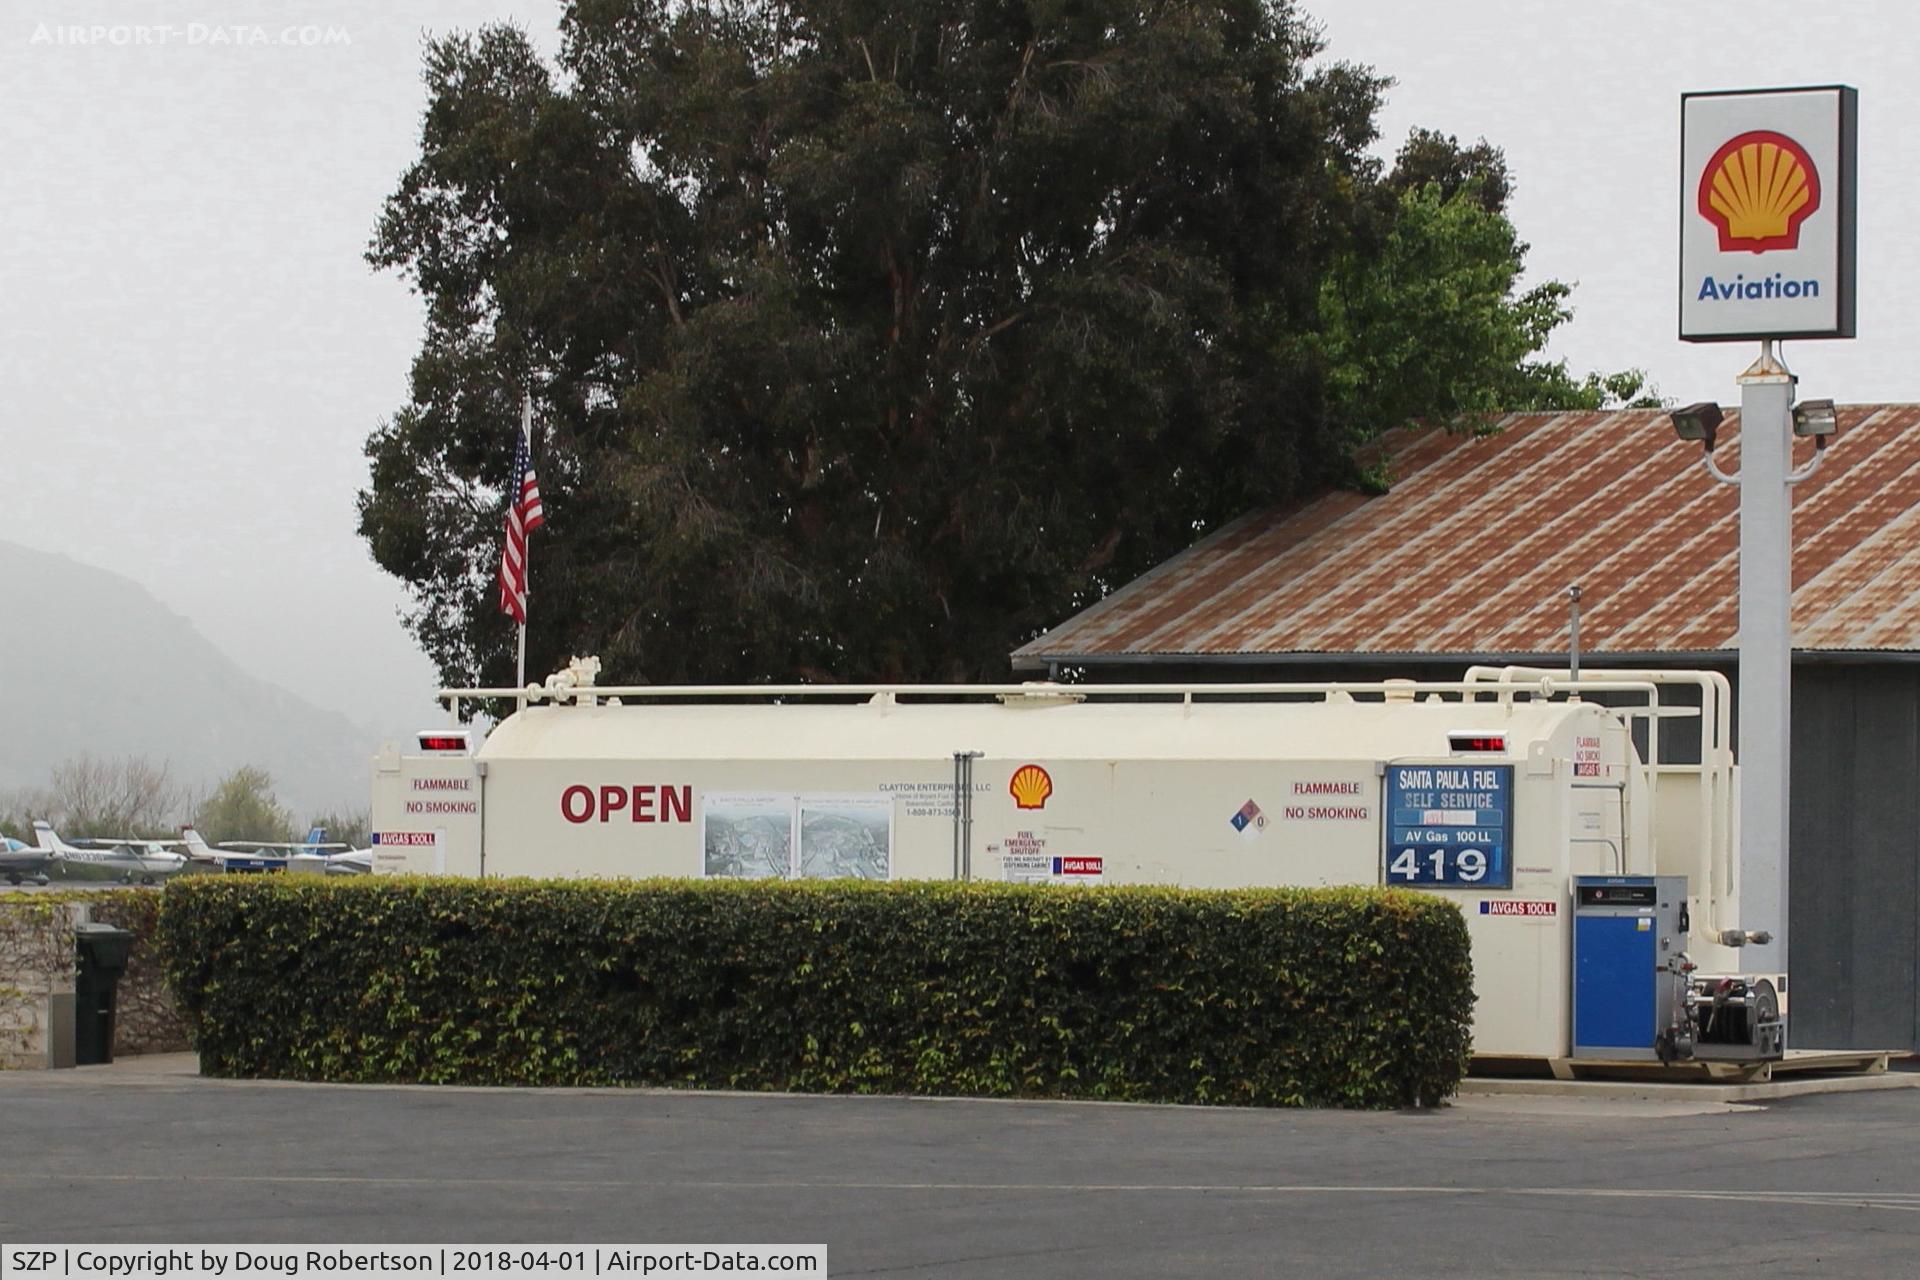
point(1350, 997)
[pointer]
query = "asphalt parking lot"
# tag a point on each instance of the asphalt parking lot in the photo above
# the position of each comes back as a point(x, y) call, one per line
point(906, 1187)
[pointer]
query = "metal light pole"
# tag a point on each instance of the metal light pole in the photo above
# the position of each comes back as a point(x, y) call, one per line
point(1768, 197)
point(1766, 643)
point(1768, 424)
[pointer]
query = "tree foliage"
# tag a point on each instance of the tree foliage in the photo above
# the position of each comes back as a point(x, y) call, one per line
point(870, 339)
point(1426, 326)
point(1429, 158)
point(243, 807)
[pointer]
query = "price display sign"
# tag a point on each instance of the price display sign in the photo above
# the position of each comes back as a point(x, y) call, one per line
point(1449, 826)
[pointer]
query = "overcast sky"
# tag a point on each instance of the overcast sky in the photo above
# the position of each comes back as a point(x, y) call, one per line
point(192, 349)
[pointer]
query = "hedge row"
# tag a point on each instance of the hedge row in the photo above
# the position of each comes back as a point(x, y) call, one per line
point(1350, 997)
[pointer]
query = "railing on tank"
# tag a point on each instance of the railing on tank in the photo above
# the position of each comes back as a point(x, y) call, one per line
point(1714, 771)
point(1547, 688)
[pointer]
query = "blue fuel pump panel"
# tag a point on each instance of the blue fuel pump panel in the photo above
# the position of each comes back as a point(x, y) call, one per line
point(1625, 931)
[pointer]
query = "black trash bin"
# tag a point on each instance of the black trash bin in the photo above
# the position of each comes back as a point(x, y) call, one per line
point(102, 953)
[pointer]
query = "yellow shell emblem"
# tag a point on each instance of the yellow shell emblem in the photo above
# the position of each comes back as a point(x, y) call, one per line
point(1030, 787)
point(1758, 188)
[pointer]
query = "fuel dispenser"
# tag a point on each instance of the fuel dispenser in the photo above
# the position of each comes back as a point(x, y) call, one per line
point(1636, 995)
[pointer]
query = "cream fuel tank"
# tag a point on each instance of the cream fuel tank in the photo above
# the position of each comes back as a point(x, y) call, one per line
point(1596, 879)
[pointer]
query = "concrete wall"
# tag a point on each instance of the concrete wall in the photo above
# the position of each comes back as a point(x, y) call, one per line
point(146, 1020)
point(37, 979)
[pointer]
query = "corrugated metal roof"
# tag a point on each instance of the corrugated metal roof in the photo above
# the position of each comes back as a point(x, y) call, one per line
point(1472, 550)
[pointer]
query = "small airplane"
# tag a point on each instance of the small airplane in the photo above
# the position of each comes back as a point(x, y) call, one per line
point(348, 862)
point(311, 854)
point(20, 862)
point(144, 860)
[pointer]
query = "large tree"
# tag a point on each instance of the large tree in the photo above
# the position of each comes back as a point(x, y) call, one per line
point(870, 338)
point(243, 807)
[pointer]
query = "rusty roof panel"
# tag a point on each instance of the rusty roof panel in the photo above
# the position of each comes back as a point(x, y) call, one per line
point(1473, 548)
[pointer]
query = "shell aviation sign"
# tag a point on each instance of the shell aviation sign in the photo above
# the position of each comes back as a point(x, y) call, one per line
point(1758, 189)
point(1767, 214)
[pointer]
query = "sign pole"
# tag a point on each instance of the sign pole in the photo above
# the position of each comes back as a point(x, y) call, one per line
point(520, 670)
point(1768, 203)
point(1766, 643)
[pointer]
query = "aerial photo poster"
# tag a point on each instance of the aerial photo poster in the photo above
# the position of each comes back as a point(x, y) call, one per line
point(760, 835)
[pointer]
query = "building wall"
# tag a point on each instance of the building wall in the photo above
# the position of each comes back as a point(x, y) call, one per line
point(1855, 838)
point(1855, 848)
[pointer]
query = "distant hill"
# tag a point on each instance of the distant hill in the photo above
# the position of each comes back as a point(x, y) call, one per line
point(91, 663)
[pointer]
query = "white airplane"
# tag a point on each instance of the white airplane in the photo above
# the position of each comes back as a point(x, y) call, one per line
point(20, 862)
point(142, 860)
point(348, 862)
point(311, 854)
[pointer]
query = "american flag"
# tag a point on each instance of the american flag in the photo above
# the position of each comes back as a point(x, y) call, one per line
point(523, 517)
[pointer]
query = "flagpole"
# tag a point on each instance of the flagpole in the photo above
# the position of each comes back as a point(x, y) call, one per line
point(520, 670)
point(520, 661)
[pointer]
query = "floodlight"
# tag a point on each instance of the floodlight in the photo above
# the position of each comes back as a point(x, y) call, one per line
point(1815, 418)
point(1697, 422)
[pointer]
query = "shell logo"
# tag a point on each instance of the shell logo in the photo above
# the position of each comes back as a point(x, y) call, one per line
point(1030, 787)
point(1758, 188)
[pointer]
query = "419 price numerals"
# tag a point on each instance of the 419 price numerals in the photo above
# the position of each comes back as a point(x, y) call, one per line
point(1438, 866)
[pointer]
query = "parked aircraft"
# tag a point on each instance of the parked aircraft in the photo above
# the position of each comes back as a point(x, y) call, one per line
point(314, 853)
point(129, 860)
point(344, 861)
point(19, 862)
point(349, 862)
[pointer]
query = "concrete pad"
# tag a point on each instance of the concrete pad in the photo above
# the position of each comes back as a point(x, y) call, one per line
point(1570, 1099)
point(128, 1068)
point(1504, 1106)
point(1690, 1093)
